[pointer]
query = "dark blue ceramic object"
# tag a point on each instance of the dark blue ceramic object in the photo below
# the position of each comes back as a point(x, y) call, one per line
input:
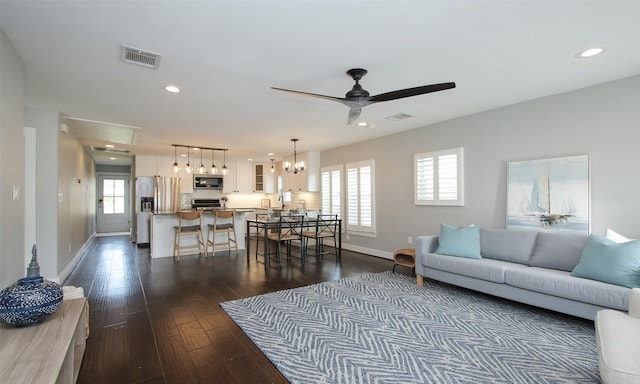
point(29, 300)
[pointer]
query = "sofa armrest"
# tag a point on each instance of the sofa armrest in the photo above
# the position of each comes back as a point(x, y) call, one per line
point(634, 302)
point(426, 244)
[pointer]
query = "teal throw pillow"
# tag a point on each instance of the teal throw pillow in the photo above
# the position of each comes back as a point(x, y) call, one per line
point(610, 262)
point(462, 242)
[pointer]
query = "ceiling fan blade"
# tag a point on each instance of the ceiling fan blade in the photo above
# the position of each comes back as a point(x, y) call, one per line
point(411, 92)
point(338, 99)
point(354, 113)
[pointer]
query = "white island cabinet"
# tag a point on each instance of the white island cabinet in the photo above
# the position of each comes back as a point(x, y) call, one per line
point(162, 233)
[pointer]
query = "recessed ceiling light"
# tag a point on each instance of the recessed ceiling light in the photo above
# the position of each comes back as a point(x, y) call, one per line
point(362, 124)
point(249, 159)
point(270, 154)
point(112, 158)
point(589, 52)
point(399, 116)
point(109, 145)
point(172, 89)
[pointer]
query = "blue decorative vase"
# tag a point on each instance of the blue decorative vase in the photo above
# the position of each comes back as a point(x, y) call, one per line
point(29, 300)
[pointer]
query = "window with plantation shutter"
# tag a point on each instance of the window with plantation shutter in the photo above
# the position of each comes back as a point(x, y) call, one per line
point(439, 177)
point(331, 190)
point(360, 197)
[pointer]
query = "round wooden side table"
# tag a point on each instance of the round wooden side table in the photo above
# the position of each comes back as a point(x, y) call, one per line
point(405, 257)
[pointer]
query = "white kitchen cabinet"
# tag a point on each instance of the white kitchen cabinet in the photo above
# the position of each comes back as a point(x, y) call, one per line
point(186, 182)
point(307, 180)
point(264, 180)
point(229, 185)
point(239, 177)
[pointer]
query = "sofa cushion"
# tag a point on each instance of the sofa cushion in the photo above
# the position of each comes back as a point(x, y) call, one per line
point(485, 269)
point(462, 242)
point(610, 262)
point(618, 343)
point(558, 250)
point(507, 245)
point(562, 284)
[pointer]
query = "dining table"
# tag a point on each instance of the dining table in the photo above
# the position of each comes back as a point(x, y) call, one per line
point(264, 225)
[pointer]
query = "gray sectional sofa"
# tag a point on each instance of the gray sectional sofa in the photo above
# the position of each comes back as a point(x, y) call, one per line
point(526, 266)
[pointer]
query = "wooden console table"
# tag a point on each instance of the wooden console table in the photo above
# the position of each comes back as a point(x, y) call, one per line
point(50, 352)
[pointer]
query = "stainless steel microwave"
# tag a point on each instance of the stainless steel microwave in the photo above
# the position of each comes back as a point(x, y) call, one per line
point(208, 181)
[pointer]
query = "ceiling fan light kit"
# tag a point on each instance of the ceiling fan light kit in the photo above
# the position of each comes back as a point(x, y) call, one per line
point(358, 98)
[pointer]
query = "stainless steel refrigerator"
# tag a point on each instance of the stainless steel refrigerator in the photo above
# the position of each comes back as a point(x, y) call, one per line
point(163, 196)
point(166, 194)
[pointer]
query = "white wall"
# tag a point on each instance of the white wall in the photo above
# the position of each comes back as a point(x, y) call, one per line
point(12, 252)
point(602, 121)
point(65, 191)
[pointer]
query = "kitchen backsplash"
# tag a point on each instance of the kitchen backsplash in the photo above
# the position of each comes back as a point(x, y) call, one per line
point(311, 200)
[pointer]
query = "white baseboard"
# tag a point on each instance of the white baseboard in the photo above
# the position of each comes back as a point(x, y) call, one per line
point(105, 234)
point(368, 251)
point(69, 268)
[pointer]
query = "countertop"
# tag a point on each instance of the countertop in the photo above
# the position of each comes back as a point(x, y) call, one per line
point(239, 210)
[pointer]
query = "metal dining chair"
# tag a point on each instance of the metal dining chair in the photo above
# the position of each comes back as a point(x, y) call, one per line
point(286, 232)
point(189, 224)
point(319, 229)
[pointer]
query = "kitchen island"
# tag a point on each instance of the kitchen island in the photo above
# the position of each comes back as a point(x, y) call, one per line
point(162, 232)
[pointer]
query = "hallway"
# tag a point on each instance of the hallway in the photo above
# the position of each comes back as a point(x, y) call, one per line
point(158, 321)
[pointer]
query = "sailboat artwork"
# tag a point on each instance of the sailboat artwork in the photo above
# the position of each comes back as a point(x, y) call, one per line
point(540, 203)
point(549, 194)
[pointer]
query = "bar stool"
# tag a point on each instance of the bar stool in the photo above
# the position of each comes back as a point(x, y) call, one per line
point(189, 224)
point(228, 227)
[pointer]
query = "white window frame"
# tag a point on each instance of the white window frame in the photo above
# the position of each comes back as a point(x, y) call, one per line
point(429, 183)
point(330, 193)
point(355, 222)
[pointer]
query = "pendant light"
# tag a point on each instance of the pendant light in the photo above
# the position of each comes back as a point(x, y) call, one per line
point(298, 166)
point(273, 170)
point(201, 167)
point(175, 165)
point(213, 162)
point(188, 167)
point(224, 163)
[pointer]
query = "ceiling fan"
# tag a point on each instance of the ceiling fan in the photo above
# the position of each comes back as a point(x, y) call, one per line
point(357, 97)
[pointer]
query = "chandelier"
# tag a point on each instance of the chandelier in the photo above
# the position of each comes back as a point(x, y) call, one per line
point(297, 166)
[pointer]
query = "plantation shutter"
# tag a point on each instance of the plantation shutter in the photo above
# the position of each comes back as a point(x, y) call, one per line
point(360, 197)
point(439, 177)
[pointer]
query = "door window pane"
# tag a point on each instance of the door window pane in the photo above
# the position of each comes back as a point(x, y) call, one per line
point(113, 196)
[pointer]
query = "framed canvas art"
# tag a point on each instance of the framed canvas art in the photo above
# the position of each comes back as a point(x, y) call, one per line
point(549, 194)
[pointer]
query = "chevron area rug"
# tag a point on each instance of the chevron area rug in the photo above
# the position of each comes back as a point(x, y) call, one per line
point(382, 328)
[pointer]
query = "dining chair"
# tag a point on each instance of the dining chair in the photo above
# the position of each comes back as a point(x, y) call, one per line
point(259, 233)
point(224, 222)
point(286, 232)
point(189, 225)
point(320, 228)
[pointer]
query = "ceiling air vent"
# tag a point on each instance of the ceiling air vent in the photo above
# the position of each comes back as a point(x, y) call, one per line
point(399, 116)
point(110, 150)
point(140, 57)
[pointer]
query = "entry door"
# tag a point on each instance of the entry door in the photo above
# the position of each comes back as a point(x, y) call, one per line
point(113, 204)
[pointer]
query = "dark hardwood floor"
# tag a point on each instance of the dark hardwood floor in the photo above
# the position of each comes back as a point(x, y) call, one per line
point(158, 320)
